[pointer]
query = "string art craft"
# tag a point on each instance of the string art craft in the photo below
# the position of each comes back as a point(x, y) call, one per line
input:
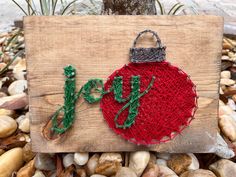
point(147, 101)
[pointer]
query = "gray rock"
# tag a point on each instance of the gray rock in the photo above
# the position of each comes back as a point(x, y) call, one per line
point(44, 162)
point(88, 7)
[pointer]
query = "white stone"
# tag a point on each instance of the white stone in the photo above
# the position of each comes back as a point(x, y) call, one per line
point(38, 173)
point(138, 161)
point(225, 57)
point(227, 82)
point(81, 158)
point(225, 75)
point(161, 162)
point(97, 175)
point(24, 123)
point(7, 126)
point(195, 163)
point(17, 87)
point(225, 110)
point(222, 149)
point(166, 172)
point(231, 104)
point(68, 160)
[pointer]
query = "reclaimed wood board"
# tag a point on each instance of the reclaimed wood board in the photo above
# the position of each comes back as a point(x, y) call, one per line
point(98, 45)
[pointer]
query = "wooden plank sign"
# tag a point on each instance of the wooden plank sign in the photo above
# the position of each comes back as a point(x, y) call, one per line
point(97, 46)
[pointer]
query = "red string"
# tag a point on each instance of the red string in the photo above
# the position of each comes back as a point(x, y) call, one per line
point(164, 111)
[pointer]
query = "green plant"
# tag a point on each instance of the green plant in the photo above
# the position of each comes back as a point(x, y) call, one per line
point(176, 8)
point(14, 46)
point(47, 7)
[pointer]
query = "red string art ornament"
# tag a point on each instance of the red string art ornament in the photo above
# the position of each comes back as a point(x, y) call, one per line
point(149, 100)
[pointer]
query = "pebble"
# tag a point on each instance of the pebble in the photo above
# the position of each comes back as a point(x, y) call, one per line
point(7, 126)
point(225, 75)
point(152, 170)
point(6, 112)
point(221, 149)
point(92, 164)
point(17, 87)
point(227, 82)
point(24, 123)
point(161, 162)
point(231, 104)
point(223, 168)
point(228, 126)
point(44, 162)
point(166, 172)
point(28, 154)
point(19, 70)
point(179, 163)
point(11, 161)
point(108, 168)
point(97, 175)
point(68, 160)
point(27, 171)
point(38, 173)
point(14, 102)
point(225, 57)
point(110, 157)
point(138, 161)
point(125, 172)
point(198, 173)
point(225, 110)
point(195, 163)
point(81, 158)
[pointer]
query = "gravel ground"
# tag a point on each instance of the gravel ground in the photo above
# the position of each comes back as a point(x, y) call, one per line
point(17, 158)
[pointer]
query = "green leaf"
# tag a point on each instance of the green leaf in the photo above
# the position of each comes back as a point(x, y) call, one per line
point(177, 9)
point(20, 7)
point(67, 7)
point(10, 62)
point(30, 7)
point(173, 7)
point(54, 7)
point(160, 7)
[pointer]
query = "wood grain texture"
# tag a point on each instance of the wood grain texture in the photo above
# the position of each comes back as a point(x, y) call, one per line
point(98, 45)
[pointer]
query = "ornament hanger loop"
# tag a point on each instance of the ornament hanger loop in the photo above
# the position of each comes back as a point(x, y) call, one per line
point(152, 54)
point(158, 40)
